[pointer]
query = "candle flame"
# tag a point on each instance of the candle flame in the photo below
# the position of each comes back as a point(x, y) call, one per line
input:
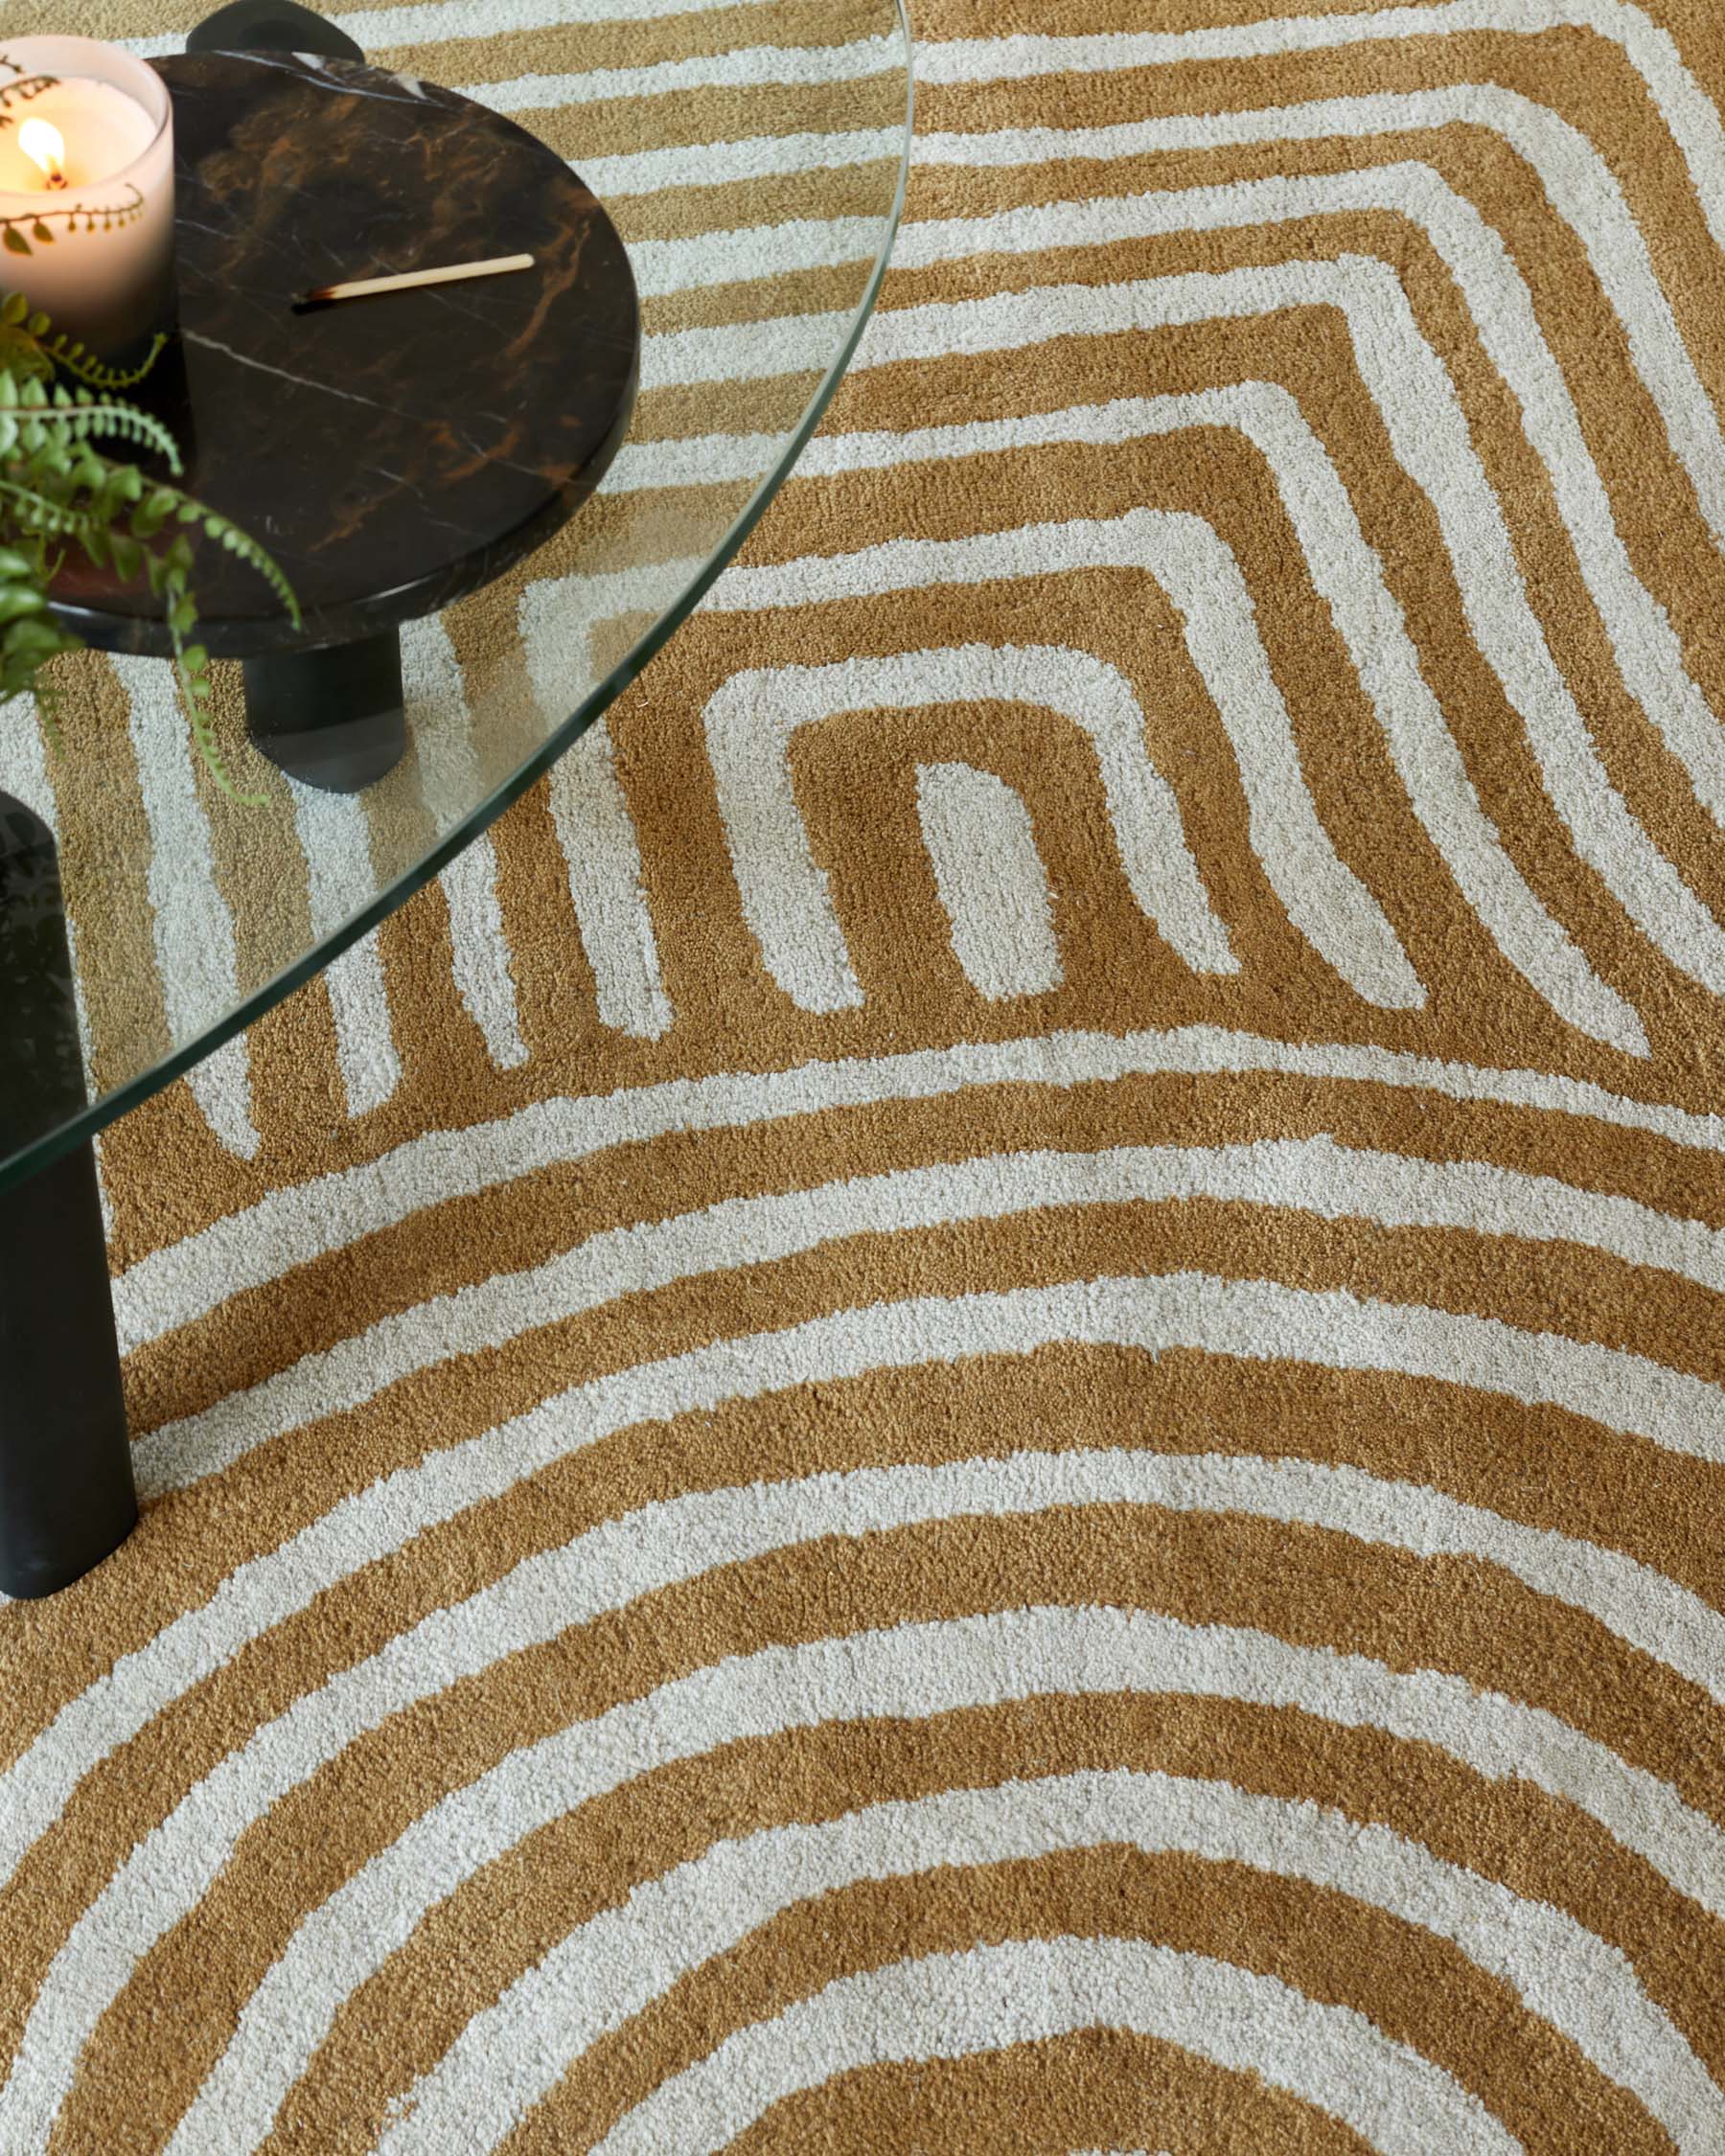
point(43, 144)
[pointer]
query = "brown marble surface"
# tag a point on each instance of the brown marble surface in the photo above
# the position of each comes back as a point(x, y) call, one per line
point(396, 452)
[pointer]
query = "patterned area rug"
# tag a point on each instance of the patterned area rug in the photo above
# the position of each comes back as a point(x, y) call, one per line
point(1055, 1483)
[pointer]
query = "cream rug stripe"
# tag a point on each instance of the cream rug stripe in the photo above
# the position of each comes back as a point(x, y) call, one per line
point(449, 1845)
point(704, 1906)
point(440, 725)
point(1643, 1608)
point(1684, 720)
point(1504, 314)
point(982, 846)
point(1687, 111)
point(1435, 773)
point(294, 1226)
point(1323, 898)
point(362, 1529)
point(1425, 421)
point(785, 895)
point(1399, 2103)
point(172, 1866)
point(1313, 1174)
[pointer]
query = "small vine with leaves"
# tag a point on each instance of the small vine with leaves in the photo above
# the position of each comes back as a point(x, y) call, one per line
point(59, 491)
point(16, 232)
point(22, 233)
point(22, 87)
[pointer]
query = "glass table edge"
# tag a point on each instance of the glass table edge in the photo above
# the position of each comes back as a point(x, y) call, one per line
point(49, 1146)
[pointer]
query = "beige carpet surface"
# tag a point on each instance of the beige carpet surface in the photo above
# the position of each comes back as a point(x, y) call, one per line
point(1023, 1450)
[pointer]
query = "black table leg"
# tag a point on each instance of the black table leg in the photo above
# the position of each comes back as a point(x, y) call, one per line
point(331, 716)
point(67, 1494)
point(266, 26)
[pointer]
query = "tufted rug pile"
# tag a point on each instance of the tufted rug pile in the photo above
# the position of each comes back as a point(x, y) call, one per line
point(1032, 1457)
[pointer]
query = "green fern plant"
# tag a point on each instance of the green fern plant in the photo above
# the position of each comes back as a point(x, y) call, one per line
point(59, 490)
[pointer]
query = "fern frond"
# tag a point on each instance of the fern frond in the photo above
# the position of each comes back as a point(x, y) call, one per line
point(86, 415)
point(247, 550)
point(67, 352)
point(37, 514)
point(192, 668)
point(58, 490)
point(84, 419)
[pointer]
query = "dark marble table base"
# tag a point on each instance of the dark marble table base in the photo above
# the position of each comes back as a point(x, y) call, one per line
point(331, 717)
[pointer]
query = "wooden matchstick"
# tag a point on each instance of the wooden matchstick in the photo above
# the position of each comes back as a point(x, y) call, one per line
point(362, 287)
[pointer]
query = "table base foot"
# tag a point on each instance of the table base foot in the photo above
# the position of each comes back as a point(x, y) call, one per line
point(331, 717)
point(252, 26)
point(67, 1494)
point(66, 1497)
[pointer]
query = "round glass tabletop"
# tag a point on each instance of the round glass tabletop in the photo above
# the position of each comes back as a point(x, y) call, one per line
point(754, 172)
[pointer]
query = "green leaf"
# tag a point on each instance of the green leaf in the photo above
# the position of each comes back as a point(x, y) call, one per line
point(34, 635)
point(15, 241)
point(19, 599)
point(21, 355)
point(39, 231)
point(153, 512)
point(61, 490)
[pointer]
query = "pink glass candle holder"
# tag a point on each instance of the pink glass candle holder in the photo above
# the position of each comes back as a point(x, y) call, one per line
point(86, 193)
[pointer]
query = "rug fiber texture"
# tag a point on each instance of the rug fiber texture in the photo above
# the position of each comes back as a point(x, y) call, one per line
point(1029, 1453)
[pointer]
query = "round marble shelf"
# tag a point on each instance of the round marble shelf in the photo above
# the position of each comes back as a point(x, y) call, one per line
point(396, 452)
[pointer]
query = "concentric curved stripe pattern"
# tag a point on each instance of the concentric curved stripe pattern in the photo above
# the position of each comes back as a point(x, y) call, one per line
point(977, 1401)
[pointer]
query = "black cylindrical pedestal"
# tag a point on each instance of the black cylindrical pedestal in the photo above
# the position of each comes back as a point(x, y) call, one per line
point(271, 26)
point(66, 1495)
point(331, 717)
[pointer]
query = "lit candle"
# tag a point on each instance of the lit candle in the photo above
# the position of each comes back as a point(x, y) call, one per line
point(86, 191)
